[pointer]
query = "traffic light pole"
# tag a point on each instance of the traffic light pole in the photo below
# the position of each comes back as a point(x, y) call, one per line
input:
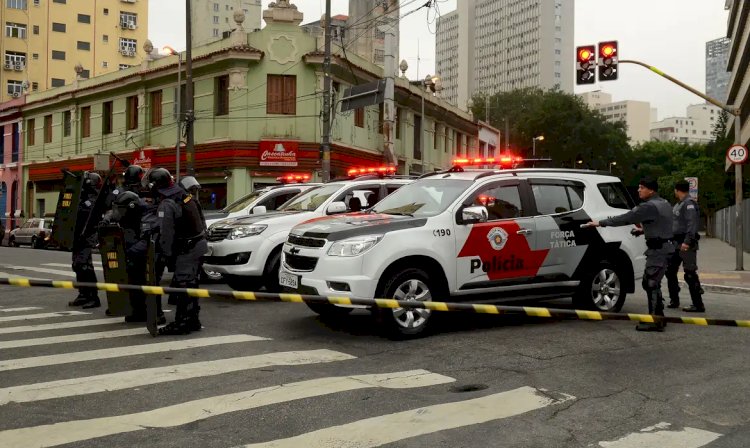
point(739, 241)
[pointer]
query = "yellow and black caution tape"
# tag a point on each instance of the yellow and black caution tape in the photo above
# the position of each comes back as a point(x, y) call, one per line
point(379, 303)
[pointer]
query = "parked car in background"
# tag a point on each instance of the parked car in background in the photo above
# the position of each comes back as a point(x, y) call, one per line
point(34, 232)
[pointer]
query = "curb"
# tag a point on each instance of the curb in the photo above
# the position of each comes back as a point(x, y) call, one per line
point(721, 288)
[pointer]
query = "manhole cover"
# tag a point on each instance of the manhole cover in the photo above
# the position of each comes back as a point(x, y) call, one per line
point(468, 388)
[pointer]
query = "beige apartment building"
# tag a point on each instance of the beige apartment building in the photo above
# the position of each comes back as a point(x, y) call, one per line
point(738, 31)
point(637, 115)
point(44, 40)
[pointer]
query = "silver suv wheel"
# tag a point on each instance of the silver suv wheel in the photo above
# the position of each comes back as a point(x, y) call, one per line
point(605, 289)
point(412, 290)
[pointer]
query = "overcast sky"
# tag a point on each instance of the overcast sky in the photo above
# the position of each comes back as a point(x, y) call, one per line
point(669, 34)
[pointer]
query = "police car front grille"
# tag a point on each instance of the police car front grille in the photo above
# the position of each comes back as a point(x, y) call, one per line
point(306, 242)
point(300, 263)
point(218, 234)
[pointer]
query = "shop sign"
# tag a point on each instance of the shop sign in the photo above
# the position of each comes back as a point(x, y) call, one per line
point(143, 158)
point(278, 153)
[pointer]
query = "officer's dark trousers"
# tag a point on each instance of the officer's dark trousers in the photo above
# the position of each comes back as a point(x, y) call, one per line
point(187, 270)
point(689, 261)
point(657, 261)
point(137, 276)
point(83, 266)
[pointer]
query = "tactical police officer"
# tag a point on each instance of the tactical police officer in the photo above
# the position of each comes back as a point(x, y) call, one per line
point(183, 244)
point(83, 245)
point(132, 178)
point(655, 215)
point(686, 238)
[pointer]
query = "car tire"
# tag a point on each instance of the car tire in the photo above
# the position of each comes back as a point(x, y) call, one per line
point(601, 289)
point(34, 243)
point(240, 283)
point(271, 272)
point(326, 310)
point(407, 284)
point(12, 242)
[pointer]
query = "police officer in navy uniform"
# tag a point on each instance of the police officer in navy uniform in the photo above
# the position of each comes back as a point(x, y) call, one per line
point(183, 244)
point(686, 221)
point(655, 216)
point(83, 245)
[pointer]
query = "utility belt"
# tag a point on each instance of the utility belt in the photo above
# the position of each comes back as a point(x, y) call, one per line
point(679, 238)
point(656, 243)
point(187, 244)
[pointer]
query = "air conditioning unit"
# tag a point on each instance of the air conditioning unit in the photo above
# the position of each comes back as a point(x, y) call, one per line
point(132, 26)
point(8, 66)
point(131, 53)
point(123, 25)
point(19, 67)
point(16, 94)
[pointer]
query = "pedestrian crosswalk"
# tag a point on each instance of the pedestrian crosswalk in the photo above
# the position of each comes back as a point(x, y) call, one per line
point(73, 373)
point(50, 270)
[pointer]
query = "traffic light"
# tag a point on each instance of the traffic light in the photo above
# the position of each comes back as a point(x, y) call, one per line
point(586, 64)
point(608, 61)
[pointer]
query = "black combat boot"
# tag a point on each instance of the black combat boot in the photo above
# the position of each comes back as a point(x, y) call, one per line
point(696, 293)
point(79, 301)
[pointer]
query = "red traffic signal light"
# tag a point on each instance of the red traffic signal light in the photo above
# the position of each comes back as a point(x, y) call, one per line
point(608, 61)
point(585, 64)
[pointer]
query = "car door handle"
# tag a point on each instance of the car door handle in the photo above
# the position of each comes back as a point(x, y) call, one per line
point(525, 232)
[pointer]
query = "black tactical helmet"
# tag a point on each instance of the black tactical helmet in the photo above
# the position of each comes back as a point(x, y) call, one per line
point(92, 180)
point(157, 179)
point(133, 175)
point(125, 203)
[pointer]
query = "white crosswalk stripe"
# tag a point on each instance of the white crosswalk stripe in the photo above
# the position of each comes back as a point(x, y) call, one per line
point(97, 266)
point(118, 352)
point(7, 275)
point(71, 338)
point(61, 325)
point(658, 435)
point(16, 310)
point(43, 315)
point(378, 431)
point(68, 273)
point(143, 377)
point(191, 411)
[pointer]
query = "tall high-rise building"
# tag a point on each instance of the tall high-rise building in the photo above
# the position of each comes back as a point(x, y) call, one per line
point(717, 76)
point(44, 41)
point(499, 45)
point(214, 19)
point(368, 20)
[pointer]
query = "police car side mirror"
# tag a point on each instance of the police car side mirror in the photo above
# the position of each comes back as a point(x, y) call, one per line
point(259, 210)
point(336, 207)
point(474, 214)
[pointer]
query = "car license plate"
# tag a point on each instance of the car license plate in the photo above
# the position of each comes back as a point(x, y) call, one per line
point(288, 280)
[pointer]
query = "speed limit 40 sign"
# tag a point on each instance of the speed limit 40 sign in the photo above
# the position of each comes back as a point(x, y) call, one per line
point(737, 154)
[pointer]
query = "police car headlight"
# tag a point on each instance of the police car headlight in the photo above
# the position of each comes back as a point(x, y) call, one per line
point(246, 231)
point(354, 246)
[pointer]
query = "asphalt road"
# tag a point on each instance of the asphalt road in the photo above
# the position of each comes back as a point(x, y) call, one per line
point(273, 374)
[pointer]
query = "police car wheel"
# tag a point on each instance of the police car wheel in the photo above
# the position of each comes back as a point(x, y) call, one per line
point(409, 284)
point(271, 272)
point(602, 289)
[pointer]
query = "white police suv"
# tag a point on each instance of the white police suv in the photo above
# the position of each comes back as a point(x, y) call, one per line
point(247, 250)
point(472, 235)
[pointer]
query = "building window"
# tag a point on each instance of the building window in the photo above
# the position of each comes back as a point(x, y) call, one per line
point(281, 94)
point(15, 30)
point(15, 88)
point(106, 11)
point(35, 29)
point(216, 7)
point(30, 125)
point(16, 142)
point(447, 140)
point(128, 20)
point(84, 18)
point(156, 99)
point(128, 46)
point(58, 27)
point(58, 55)
point(381, 118)
point(85, 74)
point(86, 46)
point(34, 86)
point(435, 136)
point(48, 129)
point(359, 117)
point(398, 122)
point(222, 95)
point(16, 4)
point(60, 1)
point(216, 32)
point(15, 61)
point(216, 20)
point(417, 137)
point(107, 117)
point(105, 38)
point(67, 119)
point(86, 121)
point(131, 110)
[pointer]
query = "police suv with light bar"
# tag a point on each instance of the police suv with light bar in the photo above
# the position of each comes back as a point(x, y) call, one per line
point(247, 250)
point(474, 235)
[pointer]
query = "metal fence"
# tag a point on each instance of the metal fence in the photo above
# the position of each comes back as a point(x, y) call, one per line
point(724, 226)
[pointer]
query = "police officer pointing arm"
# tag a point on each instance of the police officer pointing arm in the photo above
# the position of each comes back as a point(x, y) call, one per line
point(655, 215)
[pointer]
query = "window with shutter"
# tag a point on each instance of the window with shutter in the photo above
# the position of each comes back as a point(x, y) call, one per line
point(86, 121)
point(281, 95)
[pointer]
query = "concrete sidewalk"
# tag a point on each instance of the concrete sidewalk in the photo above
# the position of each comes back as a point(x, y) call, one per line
point(716, 267)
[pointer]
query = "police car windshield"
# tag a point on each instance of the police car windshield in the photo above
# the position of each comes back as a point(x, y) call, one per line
point(242, 203)
point(427, 197)
point(311, 199)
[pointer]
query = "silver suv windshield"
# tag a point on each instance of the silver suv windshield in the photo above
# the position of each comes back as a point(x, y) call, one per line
point(311, 199)
point(424, 198)
point(242, 203)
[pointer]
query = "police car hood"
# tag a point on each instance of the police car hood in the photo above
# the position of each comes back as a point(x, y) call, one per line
point(275, 219)
point(334, 228)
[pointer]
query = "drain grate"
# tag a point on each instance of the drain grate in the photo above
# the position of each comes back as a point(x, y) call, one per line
point(468, 388)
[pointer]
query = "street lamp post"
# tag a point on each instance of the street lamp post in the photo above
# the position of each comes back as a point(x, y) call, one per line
point(178, 113)
point(533, 144)
point(611, 164)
